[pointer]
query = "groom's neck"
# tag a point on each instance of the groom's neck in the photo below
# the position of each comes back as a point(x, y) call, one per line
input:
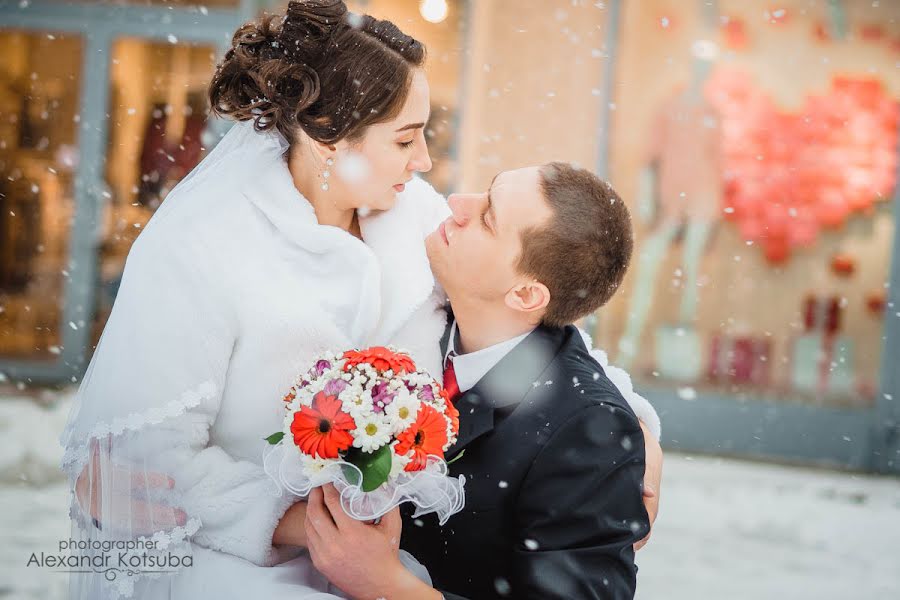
point(481, 326)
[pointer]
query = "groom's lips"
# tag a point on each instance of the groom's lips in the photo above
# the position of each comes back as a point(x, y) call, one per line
point(443, 231)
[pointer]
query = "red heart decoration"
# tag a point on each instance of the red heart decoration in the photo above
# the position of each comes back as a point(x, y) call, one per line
point(790, 174)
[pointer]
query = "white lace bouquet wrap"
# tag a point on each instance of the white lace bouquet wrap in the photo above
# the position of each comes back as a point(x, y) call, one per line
point(376, 427)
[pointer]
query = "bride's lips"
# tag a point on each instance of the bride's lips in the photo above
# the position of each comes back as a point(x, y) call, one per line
point(400, 187)
point(443, 230)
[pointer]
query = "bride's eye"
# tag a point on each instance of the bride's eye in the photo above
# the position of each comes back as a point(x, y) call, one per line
point(406, 144)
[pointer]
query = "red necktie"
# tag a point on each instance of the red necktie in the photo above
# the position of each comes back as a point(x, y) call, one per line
point(450, 384)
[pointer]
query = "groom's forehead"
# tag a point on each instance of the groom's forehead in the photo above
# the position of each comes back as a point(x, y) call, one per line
point(522, 183)
point(518, 197)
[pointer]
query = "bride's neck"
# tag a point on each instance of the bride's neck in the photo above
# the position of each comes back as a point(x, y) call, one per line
point(329, 209)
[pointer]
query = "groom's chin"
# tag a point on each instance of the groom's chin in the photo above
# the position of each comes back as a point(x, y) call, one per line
point(431, 243)
point(435, 260)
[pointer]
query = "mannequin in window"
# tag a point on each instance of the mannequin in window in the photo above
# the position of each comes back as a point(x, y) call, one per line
point(679, 192)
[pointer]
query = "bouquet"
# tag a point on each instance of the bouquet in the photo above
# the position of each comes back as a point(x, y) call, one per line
point(374, 425)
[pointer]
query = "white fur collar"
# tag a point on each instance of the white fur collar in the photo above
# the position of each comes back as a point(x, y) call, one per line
point(395, 238)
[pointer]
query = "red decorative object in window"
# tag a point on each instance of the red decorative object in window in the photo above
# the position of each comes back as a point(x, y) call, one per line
point(790, 174)
point(734, 32)
point(876, 301)
point(843, 265)
point(871, 32)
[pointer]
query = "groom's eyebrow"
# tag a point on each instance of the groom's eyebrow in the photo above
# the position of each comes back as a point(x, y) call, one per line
point(491, 210)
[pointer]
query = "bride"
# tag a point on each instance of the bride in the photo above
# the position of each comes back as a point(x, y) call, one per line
point(302, 231)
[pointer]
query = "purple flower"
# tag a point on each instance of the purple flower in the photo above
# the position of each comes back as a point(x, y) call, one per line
point(335, 387)
point(381, 397)
point(427, 393)
point(320, 367)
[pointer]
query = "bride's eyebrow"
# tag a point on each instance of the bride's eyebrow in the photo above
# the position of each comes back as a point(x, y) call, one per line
point(411, 126)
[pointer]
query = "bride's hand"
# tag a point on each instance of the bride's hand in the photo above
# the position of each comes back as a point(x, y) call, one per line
point(652, 480)
point(291, 529)
point(143, 518)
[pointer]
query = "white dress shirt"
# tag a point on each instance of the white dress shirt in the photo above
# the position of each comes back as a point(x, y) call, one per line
point(471, 367)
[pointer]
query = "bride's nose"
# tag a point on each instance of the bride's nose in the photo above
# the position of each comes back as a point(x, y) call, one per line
point(420, 161)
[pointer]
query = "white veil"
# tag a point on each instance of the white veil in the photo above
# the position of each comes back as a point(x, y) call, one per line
point(136, 437)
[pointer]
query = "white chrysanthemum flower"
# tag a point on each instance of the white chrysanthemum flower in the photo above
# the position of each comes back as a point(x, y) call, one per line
point(313, 465)
point(371, 433)
point(402, 411)
point(398, 464)
point(358, 406)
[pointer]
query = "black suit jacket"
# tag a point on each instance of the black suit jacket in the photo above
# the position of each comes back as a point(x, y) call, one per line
point(553, 482)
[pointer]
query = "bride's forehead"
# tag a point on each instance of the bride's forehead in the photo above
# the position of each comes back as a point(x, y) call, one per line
point(418, 103)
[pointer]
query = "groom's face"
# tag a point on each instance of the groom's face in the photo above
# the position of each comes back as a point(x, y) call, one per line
point(474, 252)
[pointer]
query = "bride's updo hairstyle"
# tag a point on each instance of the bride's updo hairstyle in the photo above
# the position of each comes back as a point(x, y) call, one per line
point(318, 67)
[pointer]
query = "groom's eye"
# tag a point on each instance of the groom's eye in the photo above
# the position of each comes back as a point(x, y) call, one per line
point(484, 219)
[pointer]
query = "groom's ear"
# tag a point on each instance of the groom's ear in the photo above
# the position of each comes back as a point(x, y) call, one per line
point(529, 297)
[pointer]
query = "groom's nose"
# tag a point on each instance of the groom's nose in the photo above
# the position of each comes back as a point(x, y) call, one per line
point(460, 206)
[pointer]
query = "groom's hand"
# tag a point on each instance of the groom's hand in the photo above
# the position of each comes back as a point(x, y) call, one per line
point(652, 480)
point(361, 559)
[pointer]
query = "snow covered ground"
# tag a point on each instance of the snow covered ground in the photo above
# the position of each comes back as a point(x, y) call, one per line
point(727, 529)
point(742, 530)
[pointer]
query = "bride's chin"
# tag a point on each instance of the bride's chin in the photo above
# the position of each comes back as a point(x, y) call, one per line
point(388, 203)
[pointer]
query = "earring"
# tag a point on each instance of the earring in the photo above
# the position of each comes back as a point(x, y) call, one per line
point(327, 173)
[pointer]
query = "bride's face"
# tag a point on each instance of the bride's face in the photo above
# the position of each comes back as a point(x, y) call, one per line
point(375, 169)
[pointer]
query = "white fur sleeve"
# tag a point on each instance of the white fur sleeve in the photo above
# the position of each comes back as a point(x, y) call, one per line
point(157, 378)
point(622, 380)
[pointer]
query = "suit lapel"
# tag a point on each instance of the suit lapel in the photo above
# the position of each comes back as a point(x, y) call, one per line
point(445, 339)
point(476, 418)
point(507, 383)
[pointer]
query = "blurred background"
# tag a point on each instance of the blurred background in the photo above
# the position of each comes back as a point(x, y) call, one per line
point(755, 142)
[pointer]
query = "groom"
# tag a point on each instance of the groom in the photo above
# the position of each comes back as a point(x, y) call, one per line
point(552, 454)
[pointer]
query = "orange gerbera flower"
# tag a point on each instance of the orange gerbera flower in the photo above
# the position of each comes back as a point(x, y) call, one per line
point(323, 429)
point(453, 415)
point(381, 359)
point(428, 435)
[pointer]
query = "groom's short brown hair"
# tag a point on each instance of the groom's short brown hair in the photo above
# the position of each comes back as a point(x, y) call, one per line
point(582, 253)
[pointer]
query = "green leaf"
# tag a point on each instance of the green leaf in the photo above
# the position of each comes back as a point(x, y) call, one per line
point(275, 438)
point(375, 467)
point(457, 457)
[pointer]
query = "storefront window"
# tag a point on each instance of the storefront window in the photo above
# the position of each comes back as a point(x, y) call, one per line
point(759, 151)
point(202, 5)
point(40, 78)
point(157, 125)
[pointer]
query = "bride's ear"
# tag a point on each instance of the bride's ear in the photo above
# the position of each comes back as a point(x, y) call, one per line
point(316, 150)
point(322, 151)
